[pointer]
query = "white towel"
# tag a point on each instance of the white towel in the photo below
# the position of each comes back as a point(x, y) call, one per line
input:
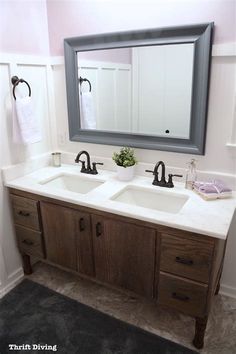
point(88, 119)
point(25, 124)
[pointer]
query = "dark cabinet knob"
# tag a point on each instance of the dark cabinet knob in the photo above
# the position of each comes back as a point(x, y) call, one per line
point(180, 297)
point(23, 213)
point(98, 229)
point(81, 224)
point(28, 242)
point(183, 260)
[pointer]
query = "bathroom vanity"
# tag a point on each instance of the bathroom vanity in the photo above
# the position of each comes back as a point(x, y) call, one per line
point(176, 267)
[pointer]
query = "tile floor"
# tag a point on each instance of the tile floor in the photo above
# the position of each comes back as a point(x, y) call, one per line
point(220, 336)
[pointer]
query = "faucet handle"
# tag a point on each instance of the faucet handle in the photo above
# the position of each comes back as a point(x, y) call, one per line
point(155, 181)
point(94, 169)
point(170, 183)
point(150, 171)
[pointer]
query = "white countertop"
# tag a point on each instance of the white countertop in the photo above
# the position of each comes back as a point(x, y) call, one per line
point(212, 218)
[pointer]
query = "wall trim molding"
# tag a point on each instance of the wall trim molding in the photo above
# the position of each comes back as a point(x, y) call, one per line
point(57, 60)
point(218, 50)
point(224, 49)
point(14, 279)
point(228, 291)
point(25, 59)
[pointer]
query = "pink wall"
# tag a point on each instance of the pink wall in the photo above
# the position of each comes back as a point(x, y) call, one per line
point(26, 24)
point(24, 27)
point(81, 17)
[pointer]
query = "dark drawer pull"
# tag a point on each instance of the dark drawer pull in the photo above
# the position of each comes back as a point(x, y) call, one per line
point(180, 297)
point(81, 224)
point(23, 213)
point(98, 229)
point(184, 260)
point(28, 242)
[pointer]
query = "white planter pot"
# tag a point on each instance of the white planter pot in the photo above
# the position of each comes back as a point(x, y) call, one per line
point(125, 173)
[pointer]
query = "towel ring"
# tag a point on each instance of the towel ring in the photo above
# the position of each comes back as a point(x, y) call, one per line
point(81, 80)
point(15, 81)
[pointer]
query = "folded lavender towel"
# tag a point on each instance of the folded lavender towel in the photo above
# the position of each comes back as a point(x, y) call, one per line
point(217, 186)
point(205, 187)
point(221, 186)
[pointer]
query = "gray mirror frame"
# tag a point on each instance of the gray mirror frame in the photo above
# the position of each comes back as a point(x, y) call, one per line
point(200, 35)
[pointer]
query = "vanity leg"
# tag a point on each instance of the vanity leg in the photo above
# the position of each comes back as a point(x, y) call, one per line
point(217, 288)
point(218, 284)
point(200, 327)
point(27, 264)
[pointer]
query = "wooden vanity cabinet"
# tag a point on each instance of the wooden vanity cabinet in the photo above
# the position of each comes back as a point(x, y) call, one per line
point(124, 254)
point(189, 275)
point(176, 268)
point(68, 240)
point(28, 229)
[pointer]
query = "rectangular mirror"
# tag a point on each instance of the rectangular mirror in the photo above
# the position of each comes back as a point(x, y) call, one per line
point(146, 89)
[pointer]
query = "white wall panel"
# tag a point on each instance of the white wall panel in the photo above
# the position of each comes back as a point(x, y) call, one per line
point(35, 71)
point(106, 99)
point(164, 93)
point(111, 92)
point(123, 100)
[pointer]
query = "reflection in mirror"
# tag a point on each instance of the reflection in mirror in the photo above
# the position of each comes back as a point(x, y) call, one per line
point(142, 90)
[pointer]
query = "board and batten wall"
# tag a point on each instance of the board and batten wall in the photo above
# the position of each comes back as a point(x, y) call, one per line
point(161, 94)
point(37, 72)
point(110, 90)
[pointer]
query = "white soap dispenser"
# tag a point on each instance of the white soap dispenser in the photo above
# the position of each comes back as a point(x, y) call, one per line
point(191, 174)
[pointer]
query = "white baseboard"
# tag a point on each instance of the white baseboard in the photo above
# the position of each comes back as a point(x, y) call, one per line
point(228, 291)
point(12, 281)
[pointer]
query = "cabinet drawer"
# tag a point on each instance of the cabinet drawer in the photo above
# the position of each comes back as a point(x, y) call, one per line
point(186, 257)
point(29, 241)
point(183, 295)
point(25, 212)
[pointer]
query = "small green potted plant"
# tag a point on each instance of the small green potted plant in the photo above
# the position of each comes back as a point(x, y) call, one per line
point(125, 161)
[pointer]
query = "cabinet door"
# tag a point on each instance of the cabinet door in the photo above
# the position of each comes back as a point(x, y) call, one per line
point(124, 254)
point(59, 226)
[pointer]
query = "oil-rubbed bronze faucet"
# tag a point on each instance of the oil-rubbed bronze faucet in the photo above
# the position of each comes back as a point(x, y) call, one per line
point(162, 182)
point(87, 169)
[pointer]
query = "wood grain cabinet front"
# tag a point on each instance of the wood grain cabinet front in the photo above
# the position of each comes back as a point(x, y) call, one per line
point(28, 230)
point(60, 234)
point(186, 257)
point(124, 254)
point(68, 239)
point(183, 295)
point(25, 212)
point(30, 241)
point(178, 268)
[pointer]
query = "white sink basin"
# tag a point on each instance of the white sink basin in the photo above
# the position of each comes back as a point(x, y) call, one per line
point(169, 202)
point(72, 183)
